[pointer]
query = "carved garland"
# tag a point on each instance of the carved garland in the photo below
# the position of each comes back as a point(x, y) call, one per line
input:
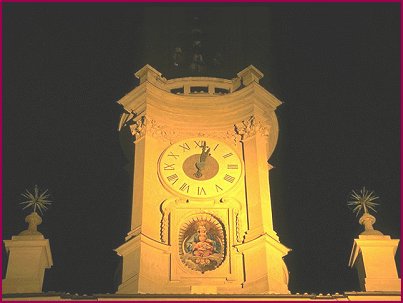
point(228, 135)
point(240, 132)
point(238, 226)
point(141, 125)
point(145, 124)
point(166, 208)
point(240, 229)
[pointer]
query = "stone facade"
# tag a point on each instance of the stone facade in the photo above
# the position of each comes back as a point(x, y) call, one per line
point(236, 116)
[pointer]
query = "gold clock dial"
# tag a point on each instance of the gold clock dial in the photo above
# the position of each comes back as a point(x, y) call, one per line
point(199, 168)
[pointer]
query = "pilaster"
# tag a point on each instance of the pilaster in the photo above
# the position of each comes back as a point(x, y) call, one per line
point(254, 137)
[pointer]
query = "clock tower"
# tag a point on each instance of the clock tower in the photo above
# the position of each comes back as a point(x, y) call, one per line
point(201, 217)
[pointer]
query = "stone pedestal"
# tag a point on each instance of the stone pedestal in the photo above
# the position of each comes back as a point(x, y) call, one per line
point(28, 257)
point(374, 258)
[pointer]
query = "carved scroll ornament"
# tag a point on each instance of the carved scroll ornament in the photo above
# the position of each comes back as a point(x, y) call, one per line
point(146, 125)
point(250, 127)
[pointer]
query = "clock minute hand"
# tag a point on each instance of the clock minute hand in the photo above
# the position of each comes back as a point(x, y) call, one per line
point(204, 153)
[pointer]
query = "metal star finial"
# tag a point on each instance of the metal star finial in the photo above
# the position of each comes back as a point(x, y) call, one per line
point(36, 200)
point(363, 201)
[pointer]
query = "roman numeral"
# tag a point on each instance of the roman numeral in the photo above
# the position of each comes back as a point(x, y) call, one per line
point(216, 147)
point(217, 188)
point(229, 178)
point(173, 178)
point(184, 187)
point(185, 147)
point(227, 155)
point(198, 144)
point(201, 191)
point(232, 166)
point(169, 166)
point(171, 154)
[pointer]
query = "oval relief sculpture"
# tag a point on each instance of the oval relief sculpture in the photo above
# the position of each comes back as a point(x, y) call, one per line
point(202, 243)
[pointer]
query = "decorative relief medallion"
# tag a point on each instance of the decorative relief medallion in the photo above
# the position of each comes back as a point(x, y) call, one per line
point(202, 243)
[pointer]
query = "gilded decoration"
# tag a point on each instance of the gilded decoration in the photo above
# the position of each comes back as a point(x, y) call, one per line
point(202, 243)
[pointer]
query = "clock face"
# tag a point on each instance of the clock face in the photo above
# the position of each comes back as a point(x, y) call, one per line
point(199, 168)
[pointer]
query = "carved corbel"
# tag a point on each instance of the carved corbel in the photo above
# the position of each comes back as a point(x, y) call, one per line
point(262, 129)
point(145, 124)
point(246, 128)
point(251, 127)
point(138, 128)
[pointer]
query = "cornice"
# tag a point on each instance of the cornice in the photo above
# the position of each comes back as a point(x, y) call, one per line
point(134, 243)
point(208, 111)
point(265, 238)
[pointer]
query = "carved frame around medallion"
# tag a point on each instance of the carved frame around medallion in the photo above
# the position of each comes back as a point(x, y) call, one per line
point(170, 205)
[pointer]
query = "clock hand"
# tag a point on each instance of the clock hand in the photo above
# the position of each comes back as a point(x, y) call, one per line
point(204, 154)
point(200, 165)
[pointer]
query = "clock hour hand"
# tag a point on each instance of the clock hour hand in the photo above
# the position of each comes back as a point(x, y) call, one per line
point(201, 163)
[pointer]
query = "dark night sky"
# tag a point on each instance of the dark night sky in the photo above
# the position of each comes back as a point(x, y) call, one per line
point(335, 66)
